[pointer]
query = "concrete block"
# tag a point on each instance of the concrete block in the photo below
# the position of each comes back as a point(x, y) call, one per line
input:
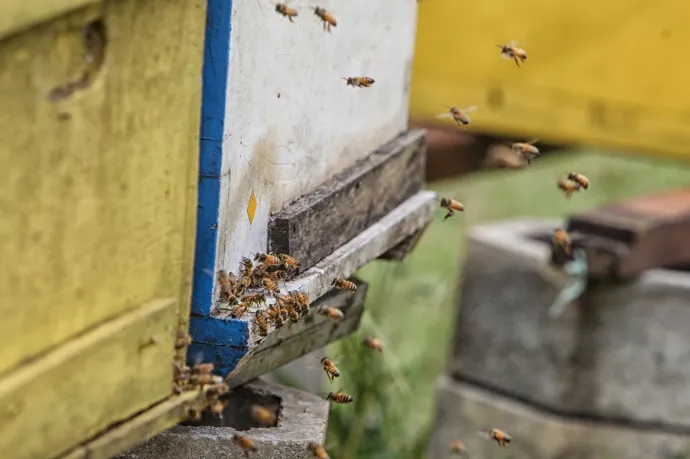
point(302, 418)
point(621, 353)
point(463, 410)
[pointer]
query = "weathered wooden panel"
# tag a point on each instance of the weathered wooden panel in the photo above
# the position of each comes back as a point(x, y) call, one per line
point(346, 204)
point(463, 410)
point(96, 198)
point(15, 16)
point(316, 331)
point(620, 353)
point(74, 392)
point(224, 340)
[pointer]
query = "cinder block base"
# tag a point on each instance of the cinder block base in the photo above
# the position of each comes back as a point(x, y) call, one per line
point(463, 410)
point(302, 419)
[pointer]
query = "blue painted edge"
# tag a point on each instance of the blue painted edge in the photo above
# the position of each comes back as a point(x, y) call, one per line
point(223, 342)
point(213, 101)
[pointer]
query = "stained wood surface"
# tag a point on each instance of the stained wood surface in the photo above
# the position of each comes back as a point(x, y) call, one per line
point(15, 16)
point(344, 205)
point(313, 332)
point(402, 250)
point(463, 410)
point(105, 376)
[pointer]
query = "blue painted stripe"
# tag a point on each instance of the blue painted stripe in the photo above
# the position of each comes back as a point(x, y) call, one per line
point(210, 330)
point(224, 358)
point(215, 80)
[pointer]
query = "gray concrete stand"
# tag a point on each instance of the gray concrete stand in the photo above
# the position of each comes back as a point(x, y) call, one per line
point(622, 353)
point(302, 419)
point(463, 410)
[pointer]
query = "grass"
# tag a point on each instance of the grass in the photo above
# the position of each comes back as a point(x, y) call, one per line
point(410, 304)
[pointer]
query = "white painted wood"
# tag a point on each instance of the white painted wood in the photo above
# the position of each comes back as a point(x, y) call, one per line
point(291, 122)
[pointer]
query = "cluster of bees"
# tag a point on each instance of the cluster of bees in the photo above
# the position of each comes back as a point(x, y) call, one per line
point(328, 21)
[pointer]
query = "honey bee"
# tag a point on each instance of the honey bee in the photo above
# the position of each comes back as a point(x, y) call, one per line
point(502, 156)
point(218, 389)
point(562, 239)
point(226, 285)
point(526, 150)
point(359, 82)
point(254, 298)
point(458, 447)
point(451, 205)
point(193, 414)
point(501, 437)
point(217, 408)
point(327, 18)
point(278, 275)
point(568, 187)
point(286, 11)
point(289, 262)
point(245, 443)
point(267, 258)
point(270, 285)
point(460, 116)
point(301, 300)
point(579, 178)
point(246, 267)
point(203, 368)
point(239, 310)
point(262, 415)
point(511, 51)
point(261, 323)
point(292, 313)
point(183, 341)
point(330, 369)
point(331, 313)
point(318, 451)
point(205, 380)
point(344, 284)
point(373, 343)
point(339, 397)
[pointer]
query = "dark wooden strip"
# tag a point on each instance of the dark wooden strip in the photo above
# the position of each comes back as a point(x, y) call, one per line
point(319, 222)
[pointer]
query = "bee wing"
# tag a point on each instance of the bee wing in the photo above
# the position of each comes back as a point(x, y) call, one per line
point(444, 115)
point(506, 55)
point(532, 142)
point(469, 109)
point(484, 434)
point(209, 272)
point(513, 43)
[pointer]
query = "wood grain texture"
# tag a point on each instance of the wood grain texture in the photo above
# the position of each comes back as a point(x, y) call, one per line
point(97, 188)
point(313, 332)
point(76, 391)
point(462, 410)
point(321, 221)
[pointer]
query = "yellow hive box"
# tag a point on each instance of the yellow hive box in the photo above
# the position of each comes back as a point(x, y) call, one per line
point(609, 73)
point(99, 121)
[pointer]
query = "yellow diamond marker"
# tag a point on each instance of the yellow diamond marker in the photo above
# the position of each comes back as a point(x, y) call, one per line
point(251, 208)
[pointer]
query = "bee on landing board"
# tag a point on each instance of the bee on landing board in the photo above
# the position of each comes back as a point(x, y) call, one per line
point(332, 313)
point(318, 451)
point(286, 11)
point(289, 262)
point(330, 369)
point(344, 284)
point(458, 448)
point(270, 285)
point(568, 187)
point(261, 323)
point(459, 115)
point(526, 150)
point(327, 18)
point(339, 397)
point(267, 258)
point(579, 178)
point(373, 343)
point(452, 206)
point(245, 443)
point(511, 51)
point(262, 415)
point(563, 240)
point(359, 82)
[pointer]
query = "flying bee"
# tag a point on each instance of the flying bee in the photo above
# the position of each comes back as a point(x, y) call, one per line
point(183, 341)
point(327, 18)
point(288, 261)
point(460, 116)
point(267, 258)
point(452, 206)
point(245, 443)
point(318, 451)
point(579, 178)
point(331, 313)
point(568, 187)
point(511, 51)
point(502, 156)
point(339, 397)
point(359, 82)
point(261, 322)
point(344, 284)
point(330, 369)
point(500, 437)
point(526, 150)
point(373, 343)
point(286, 11)
point(458, 447)
point(270, 285)
point(562, 239)
point(254, 298)
point(262, 415)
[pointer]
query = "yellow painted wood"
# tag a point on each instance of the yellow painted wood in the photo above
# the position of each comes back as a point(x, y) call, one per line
point(71, 394)
point(15, 15)
point(603, 73)
point(98, 189)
